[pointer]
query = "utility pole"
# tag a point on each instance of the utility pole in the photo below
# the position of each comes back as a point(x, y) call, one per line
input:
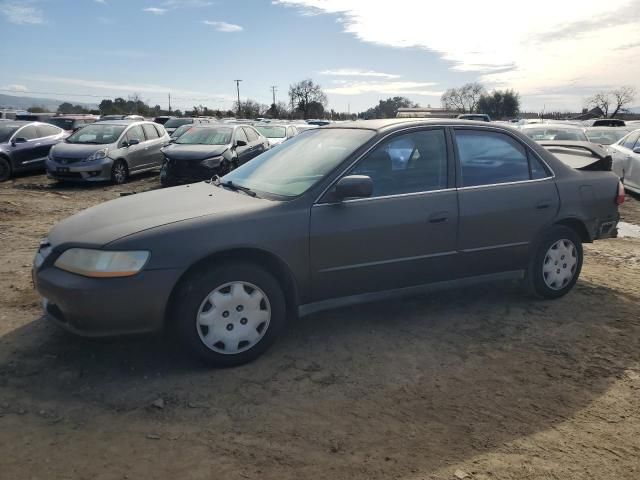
point(238, 88)
point(274, 89)
point(169, 102)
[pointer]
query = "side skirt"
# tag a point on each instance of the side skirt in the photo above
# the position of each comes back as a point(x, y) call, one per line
point(339, 302)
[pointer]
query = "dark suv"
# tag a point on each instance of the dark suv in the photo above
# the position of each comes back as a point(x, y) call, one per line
point(25, 145)
point(344, 214)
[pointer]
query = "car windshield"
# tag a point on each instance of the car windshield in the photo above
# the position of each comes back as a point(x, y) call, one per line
point(180, 130)
point(8, 129)
point(555, 133)
point(272, 131)
point(176, 122)
point(206, 136)
point(64, 123)
point(298, 164)
point(606, 137)
point(98, 134)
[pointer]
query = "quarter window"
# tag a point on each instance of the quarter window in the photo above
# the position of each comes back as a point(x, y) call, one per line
point(149, 131)
point(409, 163)
point(490, 157)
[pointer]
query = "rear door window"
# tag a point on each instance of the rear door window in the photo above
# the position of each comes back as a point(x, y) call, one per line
point(487, 158)
point(47, 130)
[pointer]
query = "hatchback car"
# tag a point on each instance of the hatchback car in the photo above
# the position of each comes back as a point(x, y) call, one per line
point(175, 122)
point(325, 220)
point(108, 150)
point(25, 145)
point(276, 134)
point(626, 160)
point(71, 123)
point(207, 150)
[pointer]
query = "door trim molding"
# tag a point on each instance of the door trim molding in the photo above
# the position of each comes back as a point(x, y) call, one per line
point(309, 308)
point(386, 262)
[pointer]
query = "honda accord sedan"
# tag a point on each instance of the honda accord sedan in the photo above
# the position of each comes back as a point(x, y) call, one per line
point(328, 219)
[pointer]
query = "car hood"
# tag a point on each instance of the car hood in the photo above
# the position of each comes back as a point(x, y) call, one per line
point(110, 221)
point(75, 150)
point(177, 151)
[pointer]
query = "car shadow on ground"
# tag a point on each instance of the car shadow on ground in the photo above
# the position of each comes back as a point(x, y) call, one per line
point(453, 374)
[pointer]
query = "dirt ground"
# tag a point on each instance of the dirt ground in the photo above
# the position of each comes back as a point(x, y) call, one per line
point(484, 382)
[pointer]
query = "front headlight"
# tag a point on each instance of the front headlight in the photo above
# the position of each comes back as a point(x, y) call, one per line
point(212, 162)
point(97, 155)
point(102, 263)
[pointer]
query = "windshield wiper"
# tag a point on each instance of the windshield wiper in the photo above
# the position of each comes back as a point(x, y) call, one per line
point(233, 186)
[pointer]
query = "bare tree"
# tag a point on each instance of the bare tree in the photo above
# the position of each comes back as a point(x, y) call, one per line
point(464, 99)
point(615, 100)
point(306, 94)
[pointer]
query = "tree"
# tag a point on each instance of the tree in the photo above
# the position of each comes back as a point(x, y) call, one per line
point(250, 108)
point(36, 109)
point(500, 104)
point(464, 99)
point(67, 108)
point(616, 100)
point(306, 95)
point(388, 108)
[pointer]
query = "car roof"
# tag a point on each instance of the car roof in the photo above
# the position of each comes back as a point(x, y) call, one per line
point(391, 123)
point(121, 122)
point(551, 125)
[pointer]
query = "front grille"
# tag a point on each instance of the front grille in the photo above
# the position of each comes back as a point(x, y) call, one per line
point(66, 160)
point(67, 174)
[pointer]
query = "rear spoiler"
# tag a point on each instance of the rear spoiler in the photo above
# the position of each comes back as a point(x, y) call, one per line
point(579, 155)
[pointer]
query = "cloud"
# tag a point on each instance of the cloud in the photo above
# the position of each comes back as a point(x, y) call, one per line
point(355, 72)
point(155, 10)
point(385, 88)
point(223, 26)
point(21, 12)
point(544, 45)
point(15, 88)
point(101, 2)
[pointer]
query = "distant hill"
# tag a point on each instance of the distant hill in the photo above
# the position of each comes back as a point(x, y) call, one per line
point(51, 104)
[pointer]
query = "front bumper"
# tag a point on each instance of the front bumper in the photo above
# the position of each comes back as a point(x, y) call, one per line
point(183, 171)
point(97, 307)
point(96, 171)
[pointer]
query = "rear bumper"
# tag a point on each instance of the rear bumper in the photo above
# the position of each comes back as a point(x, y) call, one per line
point(606, 229)
point(97, 307)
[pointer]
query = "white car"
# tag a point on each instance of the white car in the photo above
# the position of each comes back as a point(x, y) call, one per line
point(276, 134)
point(626, 160)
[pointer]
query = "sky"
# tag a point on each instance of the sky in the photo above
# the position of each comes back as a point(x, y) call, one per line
point(554, 53)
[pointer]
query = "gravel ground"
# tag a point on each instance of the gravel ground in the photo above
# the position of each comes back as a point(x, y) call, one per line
point(479, 383)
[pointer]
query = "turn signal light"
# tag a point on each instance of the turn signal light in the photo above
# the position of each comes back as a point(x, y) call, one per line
point(620, 196)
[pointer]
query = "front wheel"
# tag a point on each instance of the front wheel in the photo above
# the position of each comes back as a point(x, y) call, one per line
point(119, 172)
point(5, 169)
point(556, 264)
point(229, 315)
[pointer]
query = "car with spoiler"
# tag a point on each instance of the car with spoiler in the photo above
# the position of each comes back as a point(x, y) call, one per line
point(344, 214)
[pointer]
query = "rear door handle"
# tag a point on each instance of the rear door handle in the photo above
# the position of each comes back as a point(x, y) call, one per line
point(439, 217)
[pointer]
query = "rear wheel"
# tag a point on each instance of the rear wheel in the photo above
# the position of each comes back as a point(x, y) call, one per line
point(119, 172)
point(5, 169)
point(556, 264)
point(229, 315)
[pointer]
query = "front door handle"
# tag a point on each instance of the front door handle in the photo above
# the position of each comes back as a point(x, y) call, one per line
point(439, 217)
point(542, 205)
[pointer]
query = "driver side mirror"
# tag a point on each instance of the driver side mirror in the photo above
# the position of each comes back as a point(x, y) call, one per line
point(132, 142)
point(636, 150)
point(352, 186)
point(241, 143)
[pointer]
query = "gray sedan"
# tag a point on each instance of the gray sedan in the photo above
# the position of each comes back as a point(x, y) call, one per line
point(108, 150)
point(344, 214)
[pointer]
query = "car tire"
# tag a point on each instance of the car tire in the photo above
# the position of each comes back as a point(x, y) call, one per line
point(250, 313)
point(556, 263)
point(119, 172)
point(5, 169)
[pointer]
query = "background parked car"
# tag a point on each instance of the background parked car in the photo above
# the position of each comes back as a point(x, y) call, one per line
point(180, 130)
point(161, 119)
point(108, 150)
point(604, 122)
point(207, 150)
point(175, 122)
point(25, 145)
point(626, 160)
point(71, 123)
point(121, 117)
point(478, 117)
point(553, 131)
point(276, 134)
point(606, 136)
